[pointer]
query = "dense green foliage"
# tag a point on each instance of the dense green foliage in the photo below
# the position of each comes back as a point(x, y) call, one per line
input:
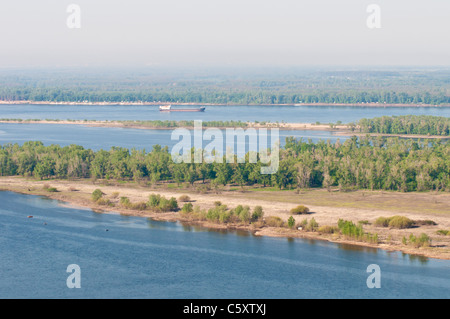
point(221, 214)
point(364, 163)
point(407, 124)
point(422, 241)
point(159, 203)
point(350, 230)
point(291, 222)
point(220, 86)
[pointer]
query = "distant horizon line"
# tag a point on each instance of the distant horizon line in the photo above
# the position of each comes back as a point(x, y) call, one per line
point(220, 66)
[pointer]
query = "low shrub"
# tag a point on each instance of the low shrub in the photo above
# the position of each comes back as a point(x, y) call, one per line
point(399, 222)
point(159, 203)
point(139, 206)
point(243, 213)
point(96, 195)
point(422, 241)
point(115, 194)
point(52, 190)
point(258, 213)
point(168, 205)
point(426, 222)
point(154, 200)
point(303, 223)
point(125, 202)
point(104, 202)
point(218, 214)
point(184, 199)
point(349, 229)
point(443, 232)
point(299, 210)
point(291, 222)
point(312, 225)
point(274, 221)
point(382, 222)
point(328, 229)
point(187, 208)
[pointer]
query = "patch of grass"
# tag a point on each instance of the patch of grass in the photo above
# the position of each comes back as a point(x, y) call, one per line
point(104, 202)
point(268, 189)
point(174, 186)
point(115, 194)
point(426, 222)
point(139, 206)
point(328, 229)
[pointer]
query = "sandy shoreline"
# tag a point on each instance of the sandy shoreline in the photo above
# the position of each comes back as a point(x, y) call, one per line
point(140, 125)
point(340, 130)
point(78, 193)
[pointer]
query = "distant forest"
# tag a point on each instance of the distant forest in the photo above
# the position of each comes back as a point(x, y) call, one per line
point(245, 87)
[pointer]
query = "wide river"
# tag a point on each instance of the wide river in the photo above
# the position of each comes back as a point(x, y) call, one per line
point(132, 257)
point(135, 257)
point(97, 138)
point(289, 114)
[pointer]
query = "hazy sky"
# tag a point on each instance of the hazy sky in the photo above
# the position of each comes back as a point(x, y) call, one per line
point(224, 32)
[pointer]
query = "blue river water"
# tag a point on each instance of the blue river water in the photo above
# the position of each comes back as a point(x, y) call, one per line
point(135, 257)
point(289, 114)
point(132, 257)
point(104, 138)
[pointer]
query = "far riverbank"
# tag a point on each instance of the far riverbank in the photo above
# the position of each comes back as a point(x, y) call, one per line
point(84, 103)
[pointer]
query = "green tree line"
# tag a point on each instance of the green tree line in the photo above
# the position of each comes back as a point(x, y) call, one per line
point(407, 124)
point(358, 163)
point(220, 96)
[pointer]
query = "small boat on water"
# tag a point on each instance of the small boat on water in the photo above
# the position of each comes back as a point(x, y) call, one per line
point(168, 108)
